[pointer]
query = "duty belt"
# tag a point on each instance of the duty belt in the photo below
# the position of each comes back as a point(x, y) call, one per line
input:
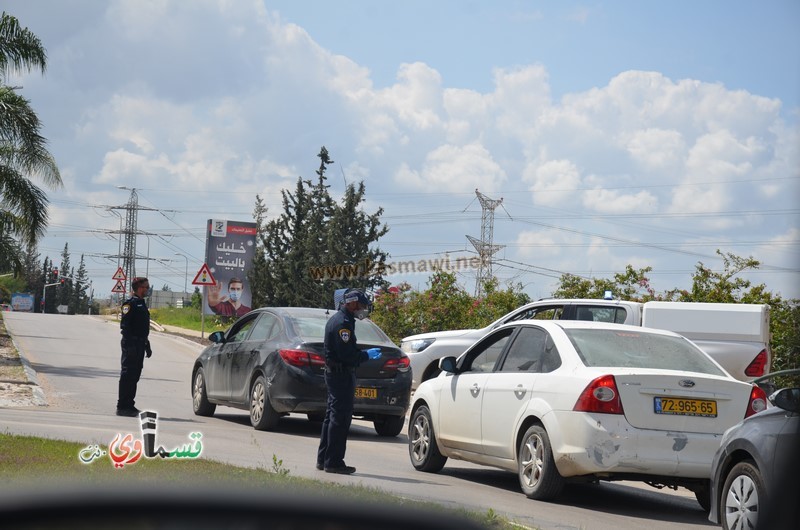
point(337, 368)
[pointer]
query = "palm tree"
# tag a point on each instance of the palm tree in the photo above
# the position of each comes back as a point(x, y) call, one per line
point(23, 151)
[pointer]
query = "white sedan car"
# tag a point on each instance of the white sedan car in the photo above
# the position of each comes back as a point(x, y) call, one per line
point(568, 400)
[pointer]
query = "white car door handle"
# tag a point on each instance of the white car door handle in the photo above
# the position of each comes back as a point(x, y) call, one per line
point(520, 392)
point(475, 390)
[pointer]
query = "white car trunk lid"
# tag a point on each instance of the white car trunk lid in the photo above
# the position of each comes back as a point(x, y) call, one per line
point(685, 402)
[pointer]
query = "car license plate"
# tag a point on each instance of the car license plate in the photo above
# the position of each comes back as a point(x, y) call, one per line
point(369, 393)
point(686, 407)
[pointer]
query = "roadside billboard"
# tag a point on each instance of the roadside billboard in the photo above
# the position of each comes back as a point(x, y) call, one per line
point(22, 302)
point(230, 248)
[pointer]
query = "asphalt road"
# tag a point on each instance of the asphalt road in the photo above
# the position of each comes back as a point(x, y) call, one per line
point(76, 360)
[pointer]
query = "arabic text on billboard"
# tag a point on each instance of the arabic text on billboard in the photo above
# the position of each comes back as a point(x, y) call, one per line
point(230, 247)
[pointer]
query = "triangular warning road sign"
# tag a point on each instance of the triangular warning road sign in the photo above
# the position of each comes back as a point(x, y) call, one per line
point(119, 287)
point(204, 277)
point(119, 275)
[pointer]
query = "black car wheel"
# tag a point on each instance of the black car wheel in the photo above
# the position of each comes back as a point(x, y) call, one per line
point(389, 425)
point(422, 448)
point(742, 497)
point(538, 475)
point(200, 403)
point(262, 416)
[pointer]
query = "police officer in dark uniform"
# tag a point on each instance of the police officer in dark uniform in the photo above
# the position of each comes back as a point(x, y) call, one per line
point(342, 357)
point(135, 329)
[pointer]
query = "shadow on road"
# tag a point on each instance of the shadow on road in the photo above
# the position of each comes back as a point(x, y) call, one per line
point(612, 498)
point(89, 372)
point(299, 425)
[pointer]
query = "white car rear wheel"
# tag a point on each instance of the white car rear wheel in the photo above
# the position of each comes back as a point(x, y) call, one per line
point(538, 475)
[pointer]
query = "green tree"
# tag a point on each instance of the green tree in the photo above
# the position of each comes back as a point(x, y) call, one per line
point(357, 246)
point(444, 305)
point(258, 276)
point(79, 305)
point(632, 285)
point(197, 298)
point(49, 293)
point(31, 271)
point(10, 284)
point(23, 151)
point(64, 290)
point(315, 232)
point(725, 286)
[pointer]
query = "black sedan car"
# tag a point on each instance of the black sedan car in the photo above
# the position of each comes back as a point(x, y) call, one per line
point(271, 361)
point(754, 472)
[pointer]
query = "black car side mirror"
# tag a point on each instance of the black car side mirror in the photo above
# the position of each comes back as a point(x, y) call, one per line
point(787, 399)
point(218, 337)
point(448, 364)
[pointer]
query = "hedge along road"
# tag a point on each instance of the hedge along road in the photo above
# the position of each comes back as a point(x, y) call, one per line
point(76, 362)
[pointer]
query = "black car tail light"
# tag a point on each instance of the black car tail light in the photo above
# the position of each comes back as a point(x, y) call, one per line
point(758, 365)
point(601, 395)
point(397, 364)
point(302, 358)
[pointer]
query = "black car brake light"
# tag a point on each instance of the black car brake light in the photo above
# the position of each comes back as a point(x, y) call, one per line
point(302, 358)
point(397, 364)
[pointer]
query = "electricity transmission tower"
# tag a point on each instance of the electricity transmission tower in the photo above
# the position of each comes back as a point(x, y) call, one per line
point(130, 231)
point(129, 248)
point(486, 249)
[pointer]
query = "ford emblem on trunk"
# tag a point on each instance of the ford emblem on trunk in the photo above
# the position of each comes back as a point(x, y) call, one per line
point(686, 383)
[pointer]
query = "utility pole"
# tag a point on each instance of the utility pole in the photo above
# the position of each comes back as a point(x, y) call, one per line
point(486, 249)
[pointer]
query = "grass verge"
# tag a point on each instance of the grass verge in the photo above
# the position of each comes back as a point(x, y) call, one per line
point(189, 318)
point(26, 461)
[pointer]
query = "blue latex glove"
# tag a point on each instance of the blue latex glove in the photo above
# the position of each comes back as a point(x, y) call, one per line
point(374, 353)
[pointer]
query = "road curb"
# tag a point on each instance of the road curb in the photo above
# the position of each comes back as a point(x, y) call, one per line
point(38, 394)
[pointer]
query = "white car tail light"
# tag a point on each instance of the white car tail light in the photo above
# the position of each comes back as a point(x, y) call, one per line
point(601, 395)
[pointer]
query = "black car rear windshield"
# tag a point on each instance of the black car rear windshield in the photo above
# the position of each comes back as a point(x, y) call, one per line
point(633, 349)
point(312, 329)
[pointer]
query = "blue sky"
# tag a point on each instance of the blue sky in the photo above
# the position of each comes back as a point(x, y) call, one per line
point(617, 132)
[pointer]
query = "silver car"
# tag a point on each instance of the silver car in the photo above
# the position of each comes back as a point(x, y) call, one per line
point(755, 468)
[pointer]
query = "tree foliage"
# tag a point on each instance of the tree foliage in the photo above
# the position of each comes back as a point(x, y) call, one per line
point(444, 305)
point(23, 150)
point(315, 234)
point(633, 284)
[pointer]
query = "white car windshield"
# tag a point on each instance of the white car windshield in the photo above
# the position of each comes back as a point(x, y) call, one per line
point(633, 349)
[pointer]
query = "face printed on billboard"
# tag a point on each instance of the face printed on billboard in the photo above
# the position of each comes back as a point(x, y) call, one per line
point(230, 248)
